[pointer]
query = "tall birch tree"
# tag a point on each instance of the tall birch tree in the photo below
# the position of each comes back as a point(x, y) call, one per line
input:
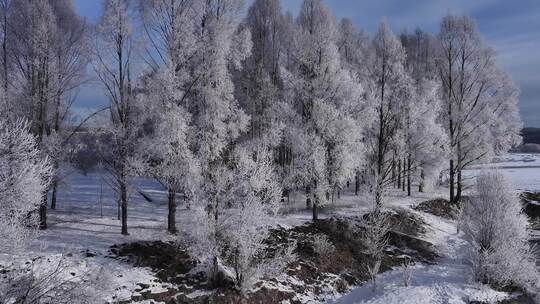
point(477, 94)
point(112, 62)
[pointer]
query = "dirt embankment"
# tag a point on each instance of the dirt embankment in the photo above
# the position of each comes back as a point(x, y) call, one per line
point(445, 209)
point(310, 276)
point(531, 204)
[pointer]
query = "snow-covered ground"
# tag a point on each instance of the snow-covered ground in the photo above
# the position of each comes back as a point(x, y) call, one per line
point(86, 221)
point(85, 225)
point(447, 281)
point(508, 160)
point(523, 169)
point(86, 214)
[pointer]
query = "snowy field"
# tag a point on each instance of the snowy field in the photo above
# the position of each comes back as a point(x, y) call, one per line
point(523, 169)
point(86, 213)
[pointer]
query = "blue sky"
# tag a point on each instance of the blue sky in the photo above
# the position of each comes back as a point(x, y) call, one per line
point(512, 28)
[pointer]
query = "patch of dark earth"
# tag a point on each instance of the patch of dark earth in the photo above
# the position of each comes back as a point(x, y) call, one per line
point(531, 204)
point(319, 277)
point(441, 207)
point(520, 299)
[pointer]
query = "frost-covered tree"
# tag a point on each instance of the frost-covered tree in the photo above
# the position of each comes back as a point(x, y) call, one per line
point(356, 52)
point(216, 115)
point(25, 174)
point(375, 238)
point(421, 54)
point(31, 27)
point(215, 111)
point(390, 88)
point(5, 9)
point(112, 63)
point(261, 88)
point(497, 230)
point(257, 195)
point(324, 94)
point(424, 138)
point(44, 59)
point(170, 31)
point(287, 114)
point(260, 84)
point(252, 198)
point(166, 148)
point(479, 99)
point(24, 177)
point(69, 61)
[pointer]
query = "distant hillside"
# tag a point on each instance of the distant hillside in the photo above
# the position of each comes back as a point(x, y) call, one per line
point(531, 135)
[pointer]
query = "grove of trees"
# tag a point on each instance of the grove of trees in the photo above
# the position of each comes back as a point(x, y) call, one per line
point(234, 112)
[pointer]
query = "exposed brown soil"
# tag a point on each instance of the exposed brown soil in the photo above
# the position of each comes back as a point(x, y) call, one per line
point(346, 267)
point(531, 201)
point(439, 207)
point(521, 299)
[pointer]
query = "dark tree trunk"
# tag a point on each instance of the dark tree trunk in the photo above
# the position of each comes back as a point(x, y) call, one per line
point(409, 176)
point(124, 219)
point(53, 196)
point(214, 274)
point(356, 184)
point(308, 197)
point(171, 219)
point(458, 170)
point(399, 174)
point(315, 211)
point(394, 173)
point(378, 197)
point(421, 184)
point(123, 207)
point(404, 182)
point(288, 197)
point(451, 181)
point(43, 212)
point(459, 186)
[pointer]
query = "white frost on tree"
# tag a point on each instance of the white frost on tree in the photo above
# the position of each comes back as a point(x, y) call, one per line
point(113, 49)
point(235, 239)
point(479, 100)
point(166, 149)
point(24, 177)
point(324, 95)
point(425, 137)
point(497, 230)
point(216, 115)
point(390, 89)
point(257, 196)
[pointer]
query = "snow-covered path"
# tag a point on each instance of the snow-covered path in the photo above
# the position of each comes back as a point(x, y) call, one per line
point(448, 281)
